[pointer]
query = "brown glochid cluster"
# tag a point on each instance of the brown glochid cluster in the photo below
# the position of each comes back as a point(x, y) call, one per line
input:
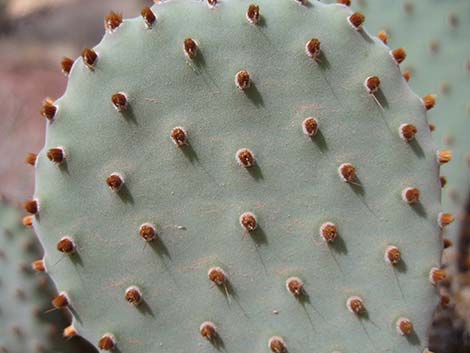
point(66, 245)
point(56, 155)
point(356, 20)
point(245, 158)
point(407, 132)
point(313, 48)
point(347, 172)
point(120, 101)
point(107, 342)
point(31, 206)
point(89, 57)
point(372, 84)
point(112, 21)
point(179, 136)
point(148, 16)
point(115, 182)
point(242, 79)
point(66, 65)
point(248, 221)
point(48, 109)
point(253, 14)
point(190, 48)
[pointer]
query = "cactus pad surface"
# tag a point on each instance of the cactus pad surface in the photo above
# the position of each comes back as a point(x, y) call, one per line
point(222, 176)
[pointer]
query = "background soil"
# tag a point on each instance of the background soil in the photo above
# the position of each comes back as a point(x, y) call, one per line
point(34, 36)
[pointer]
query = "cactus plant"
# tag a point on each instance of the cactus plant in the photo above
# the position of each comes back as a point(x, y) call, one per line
point(229, 175)
point(26, 324)
point(435, 34)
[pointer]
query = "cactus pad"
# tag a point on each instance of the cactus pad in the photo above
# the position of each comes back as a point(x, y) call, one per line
point(229, 175)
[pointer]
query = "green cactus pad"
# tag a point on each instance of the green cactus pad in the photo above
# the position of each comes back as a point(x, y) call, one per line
point(25, 324)
point(165, 139)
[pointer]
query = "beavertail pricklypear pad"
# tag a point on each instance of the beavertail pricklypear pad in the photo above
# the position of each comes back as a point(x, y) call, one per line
point(244, 177)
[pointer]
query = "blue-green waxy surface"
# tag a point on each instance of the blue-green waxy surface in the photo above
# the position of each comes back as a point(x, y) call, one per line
point(195, 194)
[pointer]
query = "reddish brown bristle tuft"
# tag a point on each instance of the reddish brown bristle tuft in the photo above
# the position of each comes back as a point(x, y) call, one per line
point(107, 342)
point(212, 3)
point(444, 156)
point(56, 155)
point(295, 286)
point(245, 158)
point(372, 84)
point(28, 221)
point(115, 182)
point(399, 55)
point(429, 101)
point(112, 21)
point(248, 221)
point(179, 136)
point(242, 79)
point(344, 2)
point(356, 20)
point(405, 327)
point(444, 219)
point(432, 127)
point(66, 65)
point(252, 14)
point(328, 232)
point(60, 301)
point(383, 36)
point(277, 345)
point(356, 305)
point(217, 275)
point(148, 16)
point(89, 57)
point(410, 195)
point(407, 75)
point(190, 48)
point(313, 48)
point(31, 159)
point(407, 132)
point(31, 206)
point(437, 275)
point(447, 243)
point(347, 172)
point(120, 101)
point(393, 255)
point(70, 332)
point(38, 266)
point(148, 231)
point(48, 109)
point(310, 126)
point(208, 330)
point(66, 245)
point(133, 295)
